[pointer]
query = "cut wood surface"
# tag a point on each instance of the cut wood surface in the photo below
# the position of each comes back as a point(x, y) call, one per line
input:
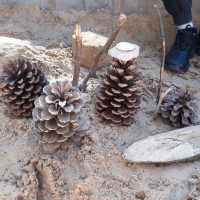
point(174, 146)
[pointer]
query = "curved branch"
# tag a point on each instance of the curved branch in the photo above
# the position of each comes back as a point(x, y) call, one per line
point(122, 20)
point(162, 35)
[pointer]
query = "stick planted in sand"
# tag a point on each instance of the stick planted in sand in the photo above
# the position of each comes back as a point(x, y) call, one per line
point(160, 97)
point(120, 6)
point(122, 20)
point(77, 57)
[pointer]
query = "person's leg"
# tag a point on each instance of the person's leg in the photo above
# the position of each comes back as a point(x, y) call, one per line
point(177, 59)
point(181, 10)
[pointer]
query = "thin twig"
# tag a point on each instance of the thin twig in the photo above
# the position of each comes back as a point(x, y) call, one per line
point(162, 35)
point(160, 97)
point(122, 20)
point(120, 6)
point(77, 57)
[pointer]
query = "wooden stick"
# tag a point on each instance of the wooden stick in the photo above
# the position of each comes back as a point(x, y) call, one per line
point(162, 33)
point(120, 6)
point(77, 57)
point(162, 96)
point(122, 20)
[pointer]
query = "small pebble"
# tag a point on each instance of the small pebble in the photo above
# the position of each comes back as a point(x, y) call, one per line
point(140, 195)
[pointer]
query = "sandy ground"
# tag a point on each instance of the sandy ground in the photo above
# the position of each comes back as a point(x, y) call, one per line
point(94, 169)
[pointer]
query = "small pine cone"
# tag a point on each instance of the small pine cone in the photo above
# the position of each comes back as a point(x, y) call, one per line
point(120, 92)
point(178, 108)
point(59, 115)
point(21, 82)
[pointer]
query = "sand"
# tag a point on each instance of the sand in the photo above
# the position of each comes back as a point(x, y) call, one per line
point(94, 169)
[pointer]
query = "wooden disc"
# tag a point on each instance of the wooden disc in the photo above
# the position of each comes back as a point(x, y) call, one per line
point(174, 146)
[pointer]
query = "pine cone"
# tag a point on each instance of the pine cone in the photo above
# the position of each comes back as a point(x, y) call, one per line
point(21, 82)
point(119, 95)
point(59, 115)
point(178, 108)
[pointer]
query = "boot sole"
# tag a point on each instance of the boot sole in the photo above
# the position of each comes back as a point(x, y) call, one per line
point(171, 69)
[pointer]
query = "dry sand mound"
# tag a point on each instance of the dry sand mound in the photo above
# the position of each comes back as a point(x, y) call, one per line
point(15, 47)
point(94, 169)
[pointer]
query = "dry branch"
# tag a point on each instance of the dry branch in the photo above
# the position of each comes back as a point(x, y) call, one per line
point(162, 96)
point(162, 34)
point(122, 20)
point(77, 57)
point(120, 6)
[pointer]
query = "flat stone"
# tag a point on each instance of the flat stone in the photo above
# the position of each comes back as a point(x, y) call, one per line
point(174, 146)
point(91, 44)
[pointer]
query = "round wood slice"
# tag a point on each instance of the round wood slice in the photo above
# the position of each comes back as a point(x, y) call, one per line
point(174, 146)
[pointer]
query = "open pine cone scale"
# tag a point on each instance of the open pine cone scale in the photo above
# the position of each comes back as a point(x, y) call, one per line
point(179, 108)
point(118, 96)
point(59, 114)
point(21, 83)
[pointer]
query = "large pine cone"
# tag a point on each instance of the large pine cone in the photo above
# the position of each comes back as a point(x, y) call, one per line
point(120, 92)
point(59, 115)
point(21, 82)
point(178, 108)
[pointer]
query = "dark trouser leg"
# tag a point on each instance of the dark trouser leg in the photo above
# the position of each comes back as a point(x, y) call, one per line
point(181, 10)
point(177, 59)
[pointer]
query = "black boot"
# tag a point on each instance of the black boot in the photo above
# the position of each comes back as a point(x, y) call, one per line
point(177, 59)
